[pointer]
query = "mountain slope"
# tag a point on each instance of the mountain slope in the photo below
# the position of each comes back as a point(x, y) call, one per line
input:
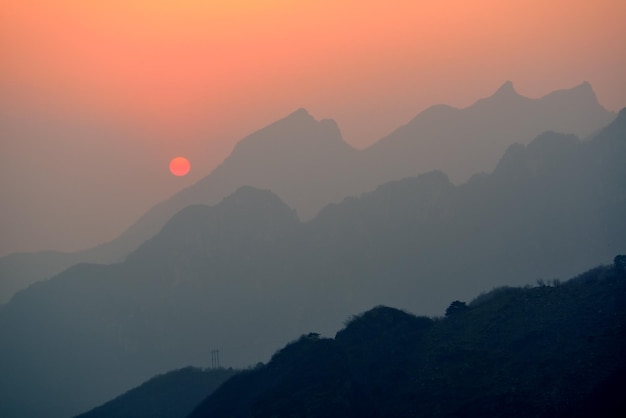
point(542, 351)
point(308, 165)
point(245, 275)
point(171, 395)
point(298, 157)
point(461, 142)
point(158, 311)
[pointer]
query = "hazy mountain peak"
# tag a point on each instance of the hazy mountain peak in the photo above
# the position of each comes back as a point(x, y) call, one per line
point(544, 152)
point(246, 200)
point(330, 124)
point(506, 90)
point(506, 95)
point(585, 86)
point(552, 140)
point(617, 129)
point(294, 130)
point(307, 163)
point(299, 114)
point(620, 120)
point(251, 195)
point(582, 93)
point(247, 215)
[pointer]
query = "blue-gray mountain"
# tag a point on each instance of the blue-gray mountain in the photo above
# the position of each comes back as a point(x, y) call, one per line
point(546, 351)
point(246, 275)
point(171, 395)
point(555, 349)
point(308, 165)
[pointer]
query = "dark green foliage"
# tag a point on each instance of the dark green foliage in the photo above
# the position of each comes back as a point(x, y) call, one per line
point(172, 395)
point(547, 351)
point(456, 308)
point(606, 400)
point(620, 262)
point(306, 378)
point(498, 291)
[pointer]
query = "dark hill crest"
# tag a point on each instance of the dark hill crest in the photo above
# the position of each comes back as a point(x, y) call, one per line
point(551, 350)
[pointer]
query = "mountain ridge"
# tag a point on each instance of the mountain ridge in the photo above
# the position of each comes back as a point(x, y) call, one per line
point(414, 243)
point(478, 134)
point(548, 350)
point(308, 164)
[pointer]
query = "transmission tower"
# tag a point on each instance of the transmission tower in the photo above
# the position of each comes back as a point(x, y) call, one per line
point(215, 359)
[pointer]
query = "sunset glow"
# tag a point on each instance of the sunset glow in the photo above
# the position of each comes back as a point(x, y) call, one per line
point(380, 164)
point(143, 60)
point(194, 77)
point(179, 166)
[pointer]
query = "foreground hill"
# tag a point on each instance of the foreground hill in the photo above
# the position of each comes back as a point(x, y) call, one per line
point(246, 275)
point(308, 165)
point(554, 350)
point(171, 395)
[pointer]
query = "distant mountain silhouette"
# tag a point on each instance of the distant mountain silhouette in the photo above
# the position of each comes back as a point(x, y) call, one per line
point(462, 142)
point(171, 395)
point(303, 160)
point(543, 351)
point(246, 275)
point(308, 165)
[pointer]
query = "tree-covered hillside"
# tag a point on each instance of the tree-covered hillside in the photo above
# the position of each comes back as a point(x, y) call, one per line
point(552, 350)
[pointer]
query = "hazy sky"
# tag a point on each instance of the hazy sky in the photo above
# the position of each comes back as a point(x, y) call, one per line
point(97, 96)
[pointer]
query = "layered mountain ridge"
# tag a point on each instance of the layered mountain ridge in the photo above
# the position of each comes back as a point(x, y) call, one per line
point(462, 142)
point(246, 275)
point(308, 165)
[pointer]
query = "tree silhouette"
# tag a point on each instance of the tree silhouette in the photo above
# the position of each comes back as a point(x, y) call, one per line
point(620, 262)
point(456, 308)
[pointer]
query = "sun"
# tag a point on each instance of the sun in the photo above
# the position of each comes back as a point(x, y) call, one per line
point(180, 166)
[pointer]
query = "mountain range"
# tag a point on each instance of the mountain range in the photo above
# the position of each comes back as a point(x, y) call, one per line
point(527, 352)
point(554, 349)
point(308, 165)
point(245, 275)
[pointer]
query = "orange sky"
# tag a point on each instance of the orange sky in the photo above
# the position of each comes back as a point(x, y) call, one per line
point(191, 78)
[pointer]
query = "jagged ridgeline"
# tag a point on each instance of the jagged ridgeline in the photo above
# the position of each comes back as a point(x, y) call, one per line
point(308, 165)
point(246, 275)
